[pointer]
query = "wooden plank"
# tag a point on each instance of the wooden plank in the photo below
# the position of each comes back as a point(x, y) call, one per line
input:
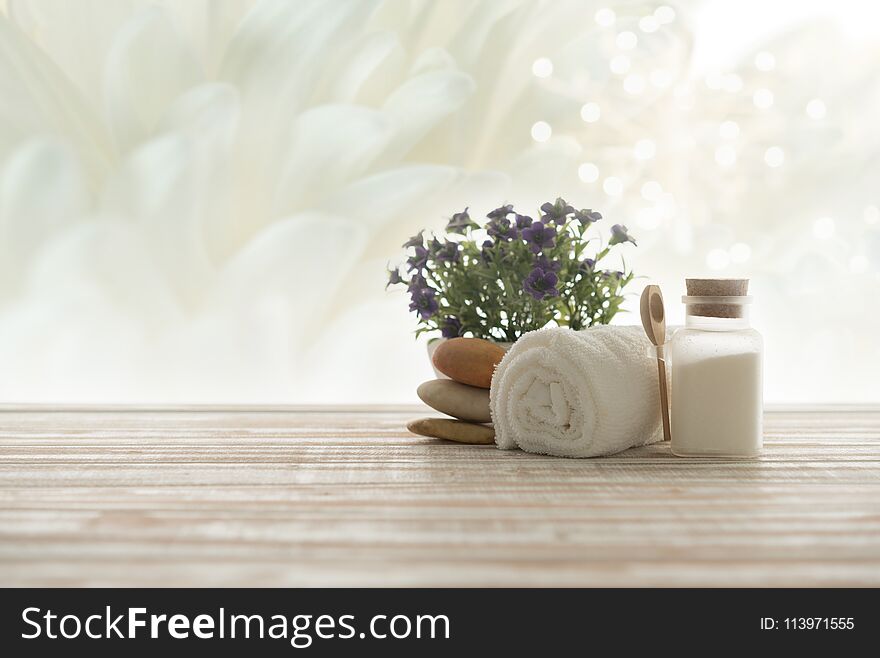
point(300, 496)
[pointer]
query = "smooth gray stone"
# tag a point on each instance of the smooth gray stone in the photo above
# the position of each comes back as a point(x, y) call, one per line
point(457, 400)
point(453, 430)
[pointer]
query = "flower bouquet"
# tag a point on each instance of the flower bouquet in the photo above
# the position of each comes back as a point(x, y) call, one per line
point(514, 274)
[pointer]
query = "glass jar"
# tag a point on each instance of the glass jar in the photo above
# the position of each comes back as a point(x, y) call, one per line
point(717, 375)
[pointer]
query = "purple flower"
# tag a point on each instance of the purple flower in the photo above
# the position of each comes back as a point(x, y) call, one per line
point(450, 327)
point(423, 302)
point(502, 229)
point(543, 263)
point(415, 241)
point(393, 278)
point(556, 212)
point(539, 236)
point(419, 260)
point(541, 284)
point(500, 212)
point(619, 235)
point(460, 222)
point(416, 282)
point(448, 252)
point(523, 221)
point(587, 217)
point(587, 265)
point(612, 274)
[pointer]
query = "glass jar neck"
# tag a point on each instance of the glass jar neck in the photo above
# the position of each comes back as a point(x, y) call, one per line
point(717, 312)
point(707, 323)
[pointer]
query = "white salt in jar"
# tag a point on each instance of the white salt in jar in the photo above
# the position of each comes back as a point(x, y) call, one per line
point(717, 363)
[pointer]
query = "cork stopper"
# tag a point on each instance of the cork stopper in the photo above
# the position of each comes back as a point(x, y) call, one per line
point(717, 288)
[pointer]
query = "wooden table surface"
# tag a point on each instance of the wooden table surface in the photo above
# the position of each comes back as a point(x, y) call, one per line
point(336, 497)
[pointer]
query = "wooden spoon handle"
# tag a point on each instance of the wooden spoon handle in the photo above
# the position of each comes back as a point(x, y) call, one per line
point(664, 399)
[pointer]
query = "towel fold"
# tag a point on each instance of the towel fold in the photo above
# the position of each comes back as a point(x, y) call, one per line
point(577, 393)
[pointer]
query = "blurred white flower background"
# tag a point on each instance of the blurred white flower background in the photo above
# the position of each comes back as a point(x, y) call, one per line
point(198, 199)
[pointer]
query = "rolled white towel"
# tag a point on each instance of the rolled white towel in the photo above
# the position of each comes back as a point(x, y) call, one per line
point(577, 393)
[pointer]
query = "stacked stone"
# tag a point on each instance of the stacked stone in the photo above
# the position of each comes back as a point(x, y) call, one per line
point(469, 364)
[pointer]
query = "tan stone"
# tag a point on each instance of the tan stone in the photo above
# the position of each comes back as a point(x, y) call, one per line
point(458, 400)
point(453, 430)
point(468, 360)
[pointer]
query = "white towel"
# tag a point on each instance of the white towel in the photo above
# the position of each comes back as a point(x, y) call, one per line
point(577, 393)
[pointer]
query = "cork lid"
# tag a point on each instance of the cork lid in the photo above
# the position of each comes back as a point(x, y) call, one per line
point(721, 288)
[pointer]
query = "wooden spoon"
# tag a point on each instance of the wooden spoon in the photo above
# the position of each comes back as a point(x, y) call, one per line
point(654, 322)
